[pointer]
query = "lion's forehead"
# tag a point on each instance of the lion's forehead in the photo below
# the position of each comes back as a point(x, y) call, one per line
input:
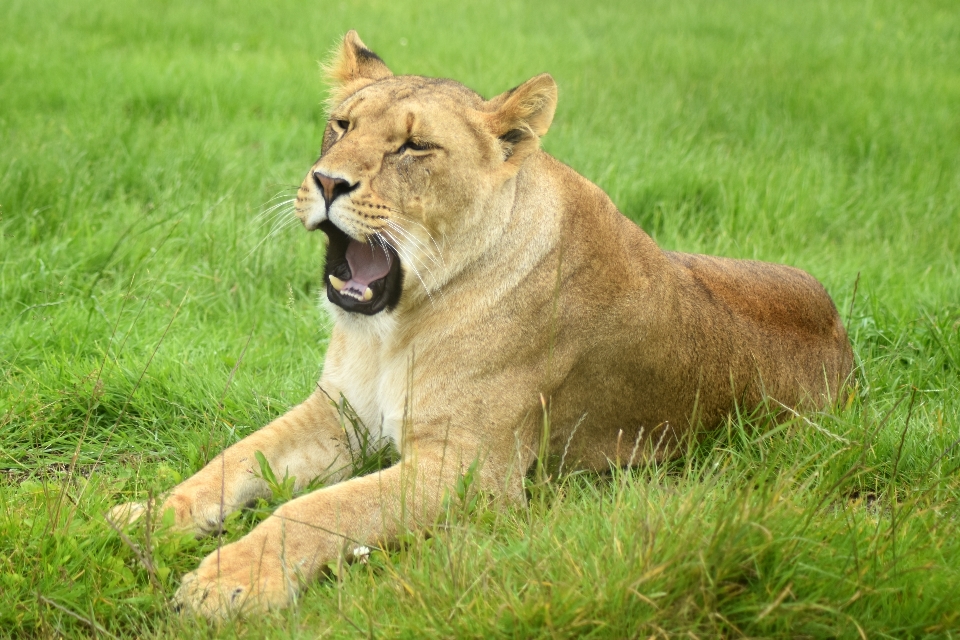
point(397, 96)
point(423, 87)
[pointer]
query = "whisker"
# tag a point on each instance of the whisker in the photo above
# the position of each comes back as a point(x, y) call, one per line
point(409, 255)
point(411, 261)
point(282, 224)
point(285, 196)
point(273, 223)
point(375, 233)
point(383, 244)
point(286, 191)
point(412, 238)
point(392, 235)
point(278, 225)
point(400, 215)
point(396, 213)
point(278, 204)
point(281, 216)
point(266, 212)
point(379, 242)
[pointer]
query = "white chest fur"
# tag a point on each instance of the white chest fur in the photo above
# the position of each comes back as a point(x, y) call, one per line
point(365, 364)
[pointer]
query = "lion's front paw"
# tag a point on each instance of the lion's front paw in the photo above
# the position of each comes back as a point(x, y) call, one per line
point(189, 515)
point(239, 578)
point(126, 514)
point(197, 512)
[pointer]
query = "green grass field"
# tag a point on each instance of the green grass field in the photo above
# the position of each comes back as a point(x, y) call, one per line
point(154, 311)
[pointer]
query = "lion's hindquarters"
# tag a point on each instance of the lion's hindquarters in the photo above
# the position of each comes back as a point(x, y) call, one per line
point(775, 324)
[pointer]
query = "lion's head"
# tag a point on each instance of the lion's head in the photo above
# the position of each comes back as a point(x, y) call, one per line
point(413, 175)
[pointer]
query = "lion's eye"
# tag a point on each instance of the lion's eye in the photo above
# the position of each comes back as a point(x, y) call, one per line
point(343, 125)
point(415, 145)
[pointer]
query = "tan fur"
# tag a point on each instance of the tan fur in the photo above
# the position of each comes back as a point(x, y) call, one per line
point(522, 282)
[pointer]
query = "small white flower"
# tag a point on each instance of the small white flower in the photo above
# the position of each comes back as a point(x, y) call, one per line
point(361, 553)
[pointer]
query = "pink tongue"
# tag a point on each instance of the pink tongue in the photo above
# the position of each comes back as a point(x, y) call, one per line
point(366, 264)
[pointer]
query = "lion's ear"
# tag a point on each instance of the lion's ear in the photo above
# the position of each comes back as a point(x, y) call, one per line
point(351, 67)
point(522, 115)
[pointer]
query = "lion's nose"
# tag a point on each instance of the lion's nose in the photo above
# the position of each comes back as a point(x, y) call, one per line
point(331, 188)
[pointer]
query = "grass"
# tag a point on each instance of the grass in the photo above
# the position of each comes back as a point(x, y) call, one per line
point(152, 315)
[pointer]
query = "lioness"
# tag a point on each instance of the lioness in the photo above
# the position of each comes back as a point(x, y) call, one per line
point(476, 282)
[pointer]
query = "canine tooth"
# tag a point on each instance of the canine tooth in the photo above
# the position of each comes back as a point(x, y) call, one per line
point(368, 294)
point(336, 282)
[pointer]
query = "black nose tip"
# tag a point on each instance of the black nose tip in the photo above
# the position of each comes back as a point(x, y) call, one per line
point(331, 188)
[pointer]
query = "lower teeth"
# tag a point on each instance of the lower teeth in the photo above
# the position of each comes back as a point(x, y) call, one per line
point(367, 295)
point(338, 284)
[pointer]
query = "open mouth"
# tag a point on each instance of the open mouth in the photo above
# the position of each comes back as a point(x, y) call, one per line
point(361, 277)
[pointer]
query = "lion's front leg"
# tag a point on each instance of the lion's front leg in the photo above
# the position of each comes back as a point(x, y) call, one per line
point(268, 567)
point(306, 443)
